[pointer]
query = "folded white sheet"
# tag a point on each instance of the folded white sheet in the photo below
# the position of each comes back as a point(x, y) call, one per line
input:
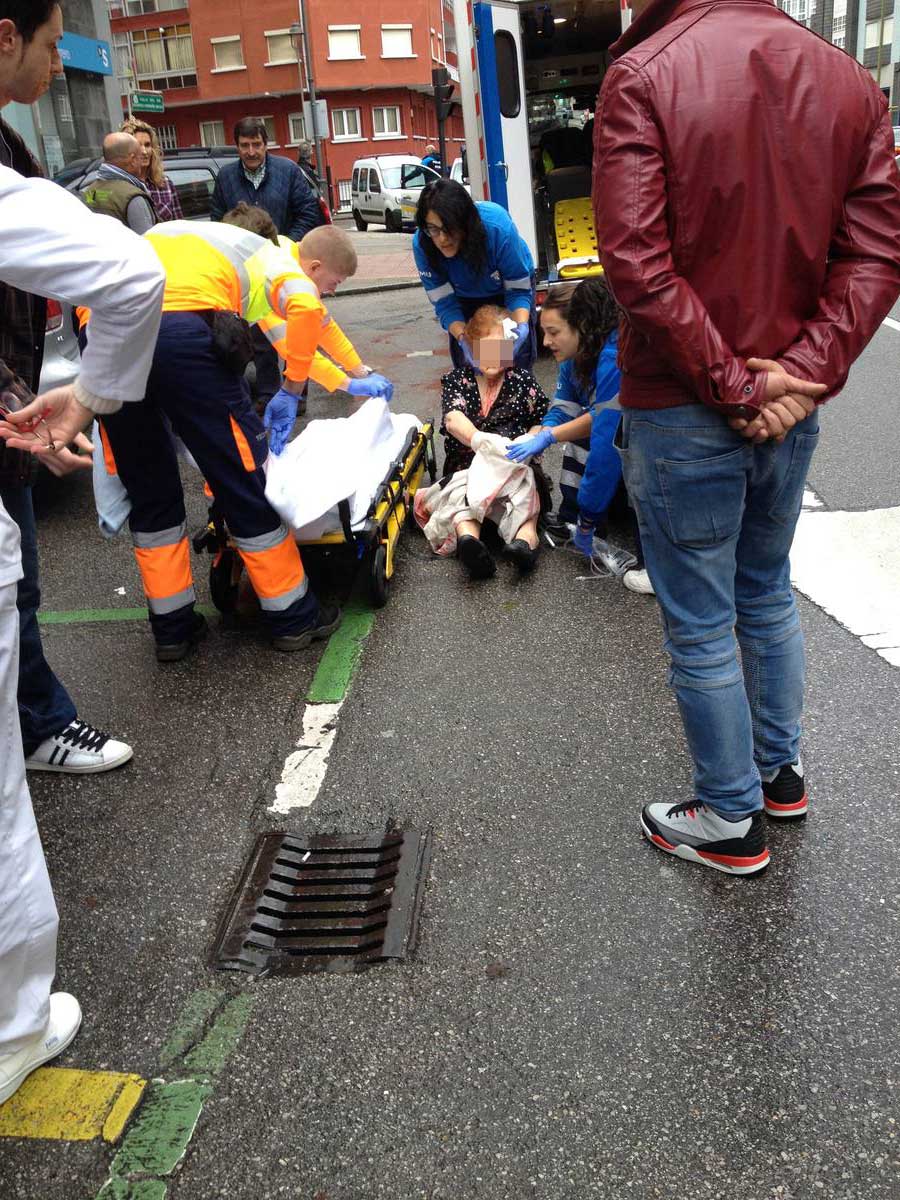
point(332, 460)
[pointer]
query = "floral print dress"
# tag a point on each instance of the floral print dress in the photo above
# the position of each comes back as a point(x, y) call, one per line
point(521, 403)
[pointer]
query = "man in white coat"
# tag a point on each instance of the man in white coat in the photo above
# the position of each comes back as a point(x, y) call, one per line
point(52, 245)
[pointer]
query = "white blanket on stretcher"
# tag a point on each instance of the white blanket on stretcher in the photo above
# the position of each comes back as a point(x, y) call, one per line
point(337, 459)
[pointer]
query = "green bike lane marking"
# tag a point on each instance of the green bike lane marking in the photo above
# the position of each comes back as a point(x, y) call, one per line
point(206, 1032)
point(210, 1025)
point(93, 616)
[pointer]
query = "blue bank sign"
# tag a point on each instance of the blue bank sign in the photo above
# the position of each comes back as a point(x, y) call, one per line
point(85, 54)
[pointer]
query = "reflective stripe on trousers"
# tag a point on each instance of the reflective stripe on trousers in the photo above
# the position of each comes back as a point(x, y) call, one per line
point(275, 568)
point(164, 561)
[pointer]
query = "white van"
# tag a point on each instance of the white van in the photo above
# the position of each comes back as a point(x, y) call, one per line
point(385, 190)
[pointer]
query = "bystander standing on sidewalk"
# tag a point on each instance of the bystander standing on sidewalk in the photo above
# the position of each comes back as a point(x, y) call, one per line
point(749, 289)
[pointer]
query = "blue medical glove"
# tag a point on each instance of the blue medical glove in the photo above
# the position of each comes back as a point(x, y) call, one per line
point(372, 385)
point(536, 444)
point(467, 355)
point(523, 333)
point(279, 418)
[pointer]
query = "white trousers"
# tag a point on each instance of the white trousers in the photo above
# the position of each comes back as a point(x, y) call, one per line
point(28, 919)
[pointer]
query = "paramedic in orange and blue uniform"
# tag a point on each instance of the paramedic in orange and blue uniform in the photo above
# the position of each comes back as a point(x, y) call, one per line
point(212, 273)
point(344, 370)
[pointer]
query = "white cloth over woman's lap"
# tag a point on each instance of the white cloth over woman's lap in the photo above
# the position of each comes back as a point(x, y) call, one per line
point(493, 488)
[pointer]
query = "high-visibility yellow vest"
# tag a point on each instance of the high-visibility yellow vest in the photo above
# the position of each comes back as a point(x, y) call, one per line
point(218, 267)
point(332, 338)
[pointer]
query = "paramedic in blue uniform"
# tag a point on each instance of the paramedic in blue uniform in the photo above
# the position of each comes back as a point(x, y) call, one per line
point(470, 254)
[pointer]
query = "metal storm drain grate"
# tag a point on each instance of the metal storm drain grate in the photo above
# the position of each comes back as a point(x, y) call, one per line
point(324, 903)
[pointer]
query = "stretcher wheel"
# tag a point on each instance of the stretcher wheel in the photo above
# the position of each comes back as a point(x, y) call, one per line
point(378, 580)
point(222, 588)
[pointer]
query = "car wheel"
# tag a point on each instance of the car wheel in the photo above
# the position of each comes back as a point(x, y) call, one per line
point(361, 225)
point(393, 221)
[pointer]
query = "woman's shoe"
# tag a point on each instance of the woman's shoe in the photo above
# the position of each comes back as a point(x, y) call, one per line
point(475, 557)
point(524, 556)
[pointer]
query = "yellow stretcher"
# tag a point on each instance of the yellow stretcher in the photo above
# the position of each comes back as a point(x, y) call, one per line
point(374, 540)
point(576, 238)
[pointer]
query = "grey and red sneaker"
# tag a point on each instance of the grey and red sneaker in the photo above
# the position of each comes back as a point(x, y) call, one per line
point(699, 834)
point(784, 795)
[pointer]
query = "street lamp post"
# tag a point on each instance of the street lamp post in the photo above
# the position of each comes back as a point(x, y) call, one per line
point(300, 42)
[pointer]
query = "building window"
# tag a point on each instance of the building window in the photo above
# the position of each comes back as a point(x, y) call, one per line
point(343, 41)
point(229, 53)
point(212, 133)
point(345, 123)
point(839, 31)
point(270, 131)
point(879, 33)
point(396, 41)
point(164, 57)
point(386, 122)
point(135, 8)
point(64, 107)
point(168, 136)
point(279, 47)
point(297, 127)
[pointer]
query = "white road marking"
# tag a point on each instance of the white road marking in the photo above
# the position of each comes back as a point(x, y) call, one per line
point(305, 768)
point(890, 321)
point(811, 500)
point(421, 354)
point(848, 563)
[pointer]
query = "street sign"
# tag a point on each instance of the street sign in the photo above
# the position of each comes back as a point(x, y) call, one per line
point(321, 119)
point(147, 102)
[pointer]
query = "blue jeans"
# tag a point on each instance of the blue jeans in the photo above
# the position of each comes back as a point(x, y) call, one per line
point(45, 707)
point(717, 518)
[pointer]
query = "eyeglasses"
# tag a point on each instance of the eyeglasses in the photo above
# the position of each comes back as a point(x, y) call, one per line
point(49, 444)
point(434, 231)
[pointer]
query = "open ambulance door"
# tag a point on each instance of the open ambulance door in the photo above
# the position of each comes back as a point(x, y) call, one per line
point(494, 109)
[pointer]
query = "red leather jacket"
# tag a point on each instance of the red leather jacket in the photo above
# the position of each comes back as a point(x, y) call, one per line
point(747, 203)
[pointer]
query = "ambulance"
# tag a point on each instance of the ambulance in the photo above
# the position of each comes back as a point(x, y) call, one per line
point(528, 74)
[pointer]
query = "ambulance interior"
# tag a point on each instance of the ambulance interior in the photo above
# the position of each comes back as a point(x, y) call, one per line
point(565, 49)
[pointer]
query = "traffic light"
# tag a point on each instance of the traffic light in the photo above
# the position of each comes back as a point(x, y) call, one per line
point(443, 92)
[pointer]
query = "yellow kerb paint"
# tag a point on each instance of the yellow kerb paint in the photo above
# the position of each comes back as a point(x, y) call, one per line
point(71, 1106)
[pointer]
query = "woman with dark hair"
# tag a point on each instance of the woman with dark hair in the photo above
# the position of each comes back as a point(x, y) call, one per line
point(469, 255)
point(580, 323)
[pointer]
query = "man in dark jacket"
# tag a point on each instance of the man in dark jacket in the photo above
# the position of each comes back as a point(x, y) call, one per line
point(275, 184)
point(53, 737)
point(751, 235)
point(280, 187)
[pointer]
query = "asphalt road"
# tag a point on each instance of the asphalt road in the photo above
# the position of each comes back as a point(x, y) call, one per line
point(583, 1016)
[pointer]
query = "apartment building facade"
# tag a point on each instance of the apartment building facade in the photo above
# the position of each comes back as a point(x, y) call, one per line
point(865, 29)
point(71, 119)
point(215, 61)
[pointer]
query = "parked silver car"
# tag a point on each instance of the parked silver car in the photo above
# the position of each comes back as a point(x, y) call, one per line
point(61, 357)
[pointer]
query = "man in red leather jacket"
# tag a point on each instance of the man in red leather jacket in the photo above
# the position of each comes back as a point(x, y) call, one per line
point(747, 206)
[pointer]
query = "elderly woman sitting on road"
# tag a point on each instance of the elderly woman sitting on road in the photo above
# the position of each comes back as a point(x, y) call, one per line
point(485, 407)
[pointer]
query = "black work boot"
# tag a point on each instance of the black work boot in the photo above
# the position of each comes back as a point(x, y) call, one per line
point(326, 623)
point(175, 651)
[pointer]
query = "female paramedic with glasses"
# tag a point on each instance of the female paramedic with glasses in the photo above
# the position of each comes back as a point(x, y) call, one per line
point(468, 255)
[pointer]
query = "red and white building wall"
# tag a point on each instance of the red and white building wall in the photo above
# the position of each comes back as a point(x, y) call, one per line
point(216, 61)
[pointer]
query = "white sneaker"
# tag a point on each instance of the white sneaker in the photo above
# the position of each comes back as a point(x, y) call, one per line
point(80, 750)
point(64, 1023)
point(637, 580)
